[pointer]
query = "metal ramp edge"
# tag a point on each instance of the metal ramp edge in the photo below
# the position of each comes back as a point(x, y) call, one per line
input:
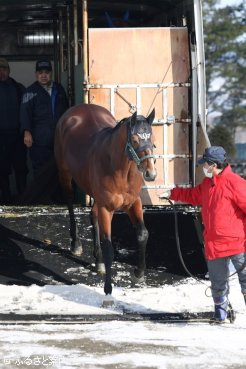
point(165, 317)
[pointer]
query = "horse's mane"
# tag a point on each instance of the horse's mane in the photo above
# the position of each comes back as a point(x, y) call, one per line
point(124, 120)
point(120, 123)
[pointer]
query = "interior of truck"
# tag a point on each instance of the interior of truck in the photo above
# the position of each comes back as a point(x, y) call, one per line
point(54, 29)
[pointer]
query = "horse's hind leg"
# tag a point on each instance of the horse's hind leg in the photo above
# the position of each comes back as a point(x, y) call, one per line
point(136, 216)
point(66, 184)
point(76, 246)
point(97, 251)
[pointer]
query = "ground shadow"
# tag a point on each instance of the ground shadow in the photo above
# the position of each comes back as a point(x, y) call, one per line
point(17, 268)
point(162, 248)
point(26, 259)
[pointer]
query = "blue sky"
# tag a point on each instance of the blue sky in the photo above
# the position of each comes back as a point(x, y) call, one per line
point(229, 2)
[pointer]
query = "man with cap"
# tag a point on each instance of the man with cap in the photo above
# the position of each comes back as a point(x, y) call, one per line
point(222, 196)
point(42, 105)
point(12, 148)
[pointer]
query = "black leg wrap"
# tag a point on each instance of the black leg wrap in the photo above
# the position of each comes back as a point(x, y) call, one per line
point(97, 253)
point(76, 246)
point(142, 235)
point(108, 256)
point(142, 238)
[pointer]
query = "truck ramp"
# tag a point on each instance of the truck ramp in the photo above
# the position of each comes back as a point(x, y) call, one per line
point(35, 242)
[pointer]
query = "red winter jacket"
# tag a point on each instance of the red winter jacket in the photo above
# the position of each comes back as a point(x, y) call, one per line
point(223, 201)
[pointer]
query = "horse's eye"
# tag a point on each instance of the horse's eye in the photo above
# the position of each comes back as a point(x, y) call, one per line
point(135, 141)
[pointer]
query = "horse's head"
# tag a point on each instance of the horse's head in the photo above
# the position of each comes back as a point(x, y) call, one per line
point(139, 147)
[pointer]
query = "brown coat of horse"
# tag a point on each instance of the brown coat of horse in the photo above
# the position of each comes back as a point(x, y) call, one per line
point(104, 159)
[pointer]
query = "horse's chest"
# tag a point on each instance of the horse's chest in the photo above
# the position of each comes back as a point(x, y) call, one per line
point(122, 200)
point(115, 197)
point(114, 188)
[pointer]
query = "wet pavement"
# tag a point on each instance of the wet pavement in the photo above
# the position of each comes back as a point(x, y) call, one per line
point(119, 345)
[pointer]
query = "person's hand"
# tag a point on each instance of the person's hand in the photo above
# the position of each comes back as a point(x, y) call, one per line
point(166, 194)
point(28, 141)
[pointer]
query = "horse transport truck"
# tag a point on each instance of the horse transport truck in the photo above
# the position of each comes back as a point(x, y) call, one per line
point(158, 64)
point(127, 56)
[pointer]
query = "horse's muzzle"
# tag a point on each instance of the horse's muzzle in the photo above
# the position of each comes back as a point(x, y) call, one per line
point(149, 175)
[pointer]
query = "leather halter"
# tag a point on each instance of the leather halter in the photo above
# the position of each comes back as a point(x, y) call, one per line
point(131, 152)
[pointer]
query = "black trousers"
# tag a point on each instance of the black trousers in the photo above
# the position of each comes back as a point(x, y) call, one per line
point(13, 153)
point(13, 157)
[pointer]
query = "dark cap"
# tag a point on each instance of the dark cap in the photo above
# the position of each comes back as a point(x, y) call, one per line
point(43, 65)
point(215, 154)
point(4, 63)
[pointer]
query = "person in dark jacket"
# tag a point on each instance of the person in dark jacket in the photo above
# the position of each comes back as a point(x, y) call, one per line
point(12, 148)
point(222, 195)
point(42, 105)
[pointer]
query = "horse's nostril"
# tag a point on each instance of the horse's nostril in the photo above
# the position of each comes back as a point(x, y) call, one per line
point(149, 176)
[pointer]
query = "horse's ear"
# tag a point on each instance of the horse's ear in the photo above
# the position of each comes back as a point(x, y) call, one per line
point(133, 118)
point(151, 117)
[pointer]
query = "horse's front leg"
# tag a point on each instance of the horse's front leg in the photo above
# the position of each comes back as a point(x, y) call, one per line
point(136, 216)
point(97, 251)
point(104, 220)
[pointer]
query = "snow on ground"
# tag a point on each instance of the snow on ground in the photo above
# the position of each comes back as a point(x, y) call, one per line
point(120, 344)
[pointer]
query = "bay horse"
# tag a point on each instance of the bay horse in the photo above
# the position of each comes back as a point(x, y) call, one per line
point(105, 160)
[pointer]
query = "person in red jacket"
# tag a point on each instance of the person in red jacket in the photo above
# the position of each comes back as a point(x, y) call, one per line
point(222, 196)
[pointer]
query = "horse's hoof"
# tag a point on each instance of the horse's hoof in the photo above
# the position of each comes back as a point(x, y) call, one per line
point(77, 251)
point(136, 279)
point(100, 268)
point(108, 301)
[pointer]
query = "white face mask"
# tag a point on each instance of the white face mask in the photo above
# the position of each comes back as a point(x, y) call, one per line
point(207, 174)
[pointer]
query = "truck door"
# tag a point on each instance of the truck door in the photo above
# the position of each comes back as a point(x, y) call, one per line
point(138, 69)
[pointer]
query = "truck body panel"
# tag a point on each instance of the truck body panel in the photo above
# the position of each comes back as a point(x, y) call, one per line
point(138, 69)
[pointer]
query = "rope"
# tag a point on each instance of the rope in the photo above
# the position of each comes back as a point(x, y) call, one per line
point(160, 88)
point(176, 230)
point(183, 263)
point(132, 107)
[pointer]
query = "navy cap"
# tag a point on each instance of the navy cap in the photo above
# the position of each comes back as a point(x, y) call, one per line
point(215, 154)
point(43, 65)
